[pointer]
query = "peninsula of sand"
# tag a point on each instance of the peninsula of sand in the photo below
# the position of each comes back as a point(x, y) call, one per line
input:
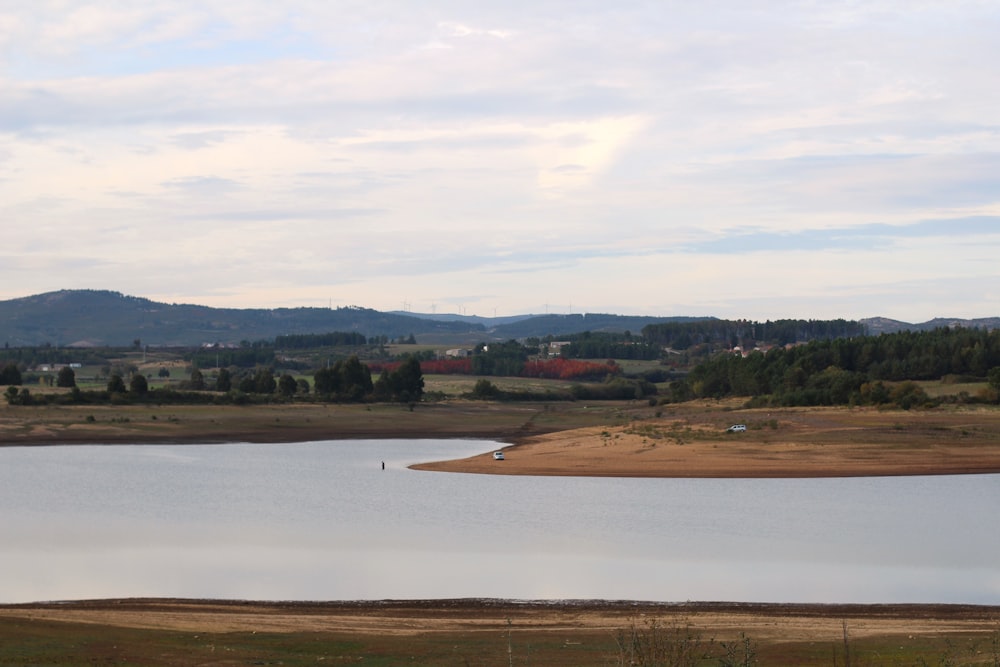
point(626, 439)
point(807, 442)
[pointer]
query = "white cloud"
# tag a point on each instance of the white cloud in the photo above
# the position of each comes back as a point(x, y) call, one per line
point(453, 29)
point(603, 152)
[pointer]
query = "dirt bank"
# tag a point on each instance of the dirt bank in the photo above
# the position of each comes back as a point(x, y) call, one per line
point(814, 442)
point(799, 622)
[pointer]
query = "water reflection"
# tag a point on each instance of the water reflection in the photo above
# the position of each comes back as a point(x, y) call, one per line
point(324, 521)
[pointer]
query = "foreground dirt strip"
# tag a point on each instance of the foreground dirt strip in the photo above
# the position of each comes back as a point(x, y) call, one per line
point(766, 622)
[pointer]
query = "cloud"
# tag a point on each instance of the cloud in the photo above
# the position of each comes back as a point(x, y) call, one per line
point(202, 139)
point(453, 29)
point(202, 184)
point(637, 156)
point(882, 237)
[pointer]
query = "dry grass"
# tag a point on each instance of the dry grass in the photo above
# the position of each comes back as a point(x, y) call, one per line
point(289, 422)
point(459, 632)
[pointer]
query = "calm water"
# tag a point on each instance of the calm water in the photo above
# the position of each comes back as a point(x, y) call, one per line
point(323, 521)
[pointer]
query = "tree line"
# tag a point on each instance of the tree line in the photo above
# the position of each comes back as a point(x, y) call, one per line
point(331, 339)
point(348, 380)
point(601, 345)
point(863, 370)
point(747, 333)
point(849, 370)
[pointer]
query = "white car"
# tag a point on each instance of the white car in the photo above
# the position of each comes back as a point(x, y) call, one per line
point(498, 456)
point(737, 428)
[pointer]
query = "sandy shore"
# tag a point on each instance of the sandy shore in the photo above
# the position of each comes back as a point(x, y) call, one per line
point(815, 442)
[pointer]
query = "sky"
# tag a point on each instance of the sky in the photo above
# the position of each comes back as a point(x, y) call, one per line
point(742, 159)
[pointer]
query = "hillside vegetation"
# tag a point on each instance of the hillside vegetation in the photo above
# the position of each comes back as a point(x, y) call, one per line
point(348, 367)
point(870, 370)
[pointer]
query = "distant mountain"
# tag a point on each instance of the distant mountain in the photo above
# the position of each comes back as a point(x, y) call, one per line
point(80, 318)
point(469, 319)
point(561, 325)
point(525, 326)
point(105, 318)
point(881, 325)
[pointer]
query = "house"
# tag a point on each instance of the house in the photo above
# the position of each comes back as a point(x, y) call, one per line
point(556, 346)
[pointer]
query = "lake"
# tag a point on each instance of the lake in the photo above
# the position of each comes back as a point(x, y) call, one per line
point(324, 521)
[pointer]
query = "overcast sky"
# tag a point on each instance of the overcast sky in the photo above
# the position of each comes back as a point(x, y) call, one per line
point(740, 159)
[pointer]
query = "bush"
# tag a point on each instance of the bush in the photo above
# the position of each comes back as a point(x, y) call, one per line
point(485, 390)
point(10, 374)
point(66, 377)
point(909, 395)
point(138, 384)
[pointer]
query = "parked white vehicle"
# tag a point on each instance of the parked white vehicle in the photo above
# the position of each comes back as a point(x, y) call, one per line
point(737, 428)
point(498, 456)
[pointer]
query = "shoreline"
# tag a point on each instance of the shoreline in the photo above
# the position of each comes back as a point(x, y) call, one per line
point(547, 456)
point(572, 454)
point(614, 440)
point(373, 616)
point(955, 609)
point(790, 443)
point(445, 631)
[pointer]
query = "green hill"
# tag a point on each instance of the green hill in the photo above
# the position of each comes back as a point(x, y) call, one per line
point(105, 318)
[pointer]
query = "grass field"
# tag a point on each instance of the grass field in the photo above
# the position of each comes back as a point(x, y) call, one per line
point(938, 389)
point(458, 385)
point(297, 421)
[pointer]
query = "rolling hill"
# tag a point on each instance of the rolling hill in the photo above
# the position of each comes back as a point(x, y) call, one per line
point(881, 325)
point(77, 318)
point(104, 318)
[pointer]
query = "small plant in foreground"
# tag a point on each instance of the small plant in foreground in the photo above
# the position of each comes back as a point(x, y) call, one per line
point(651, 644)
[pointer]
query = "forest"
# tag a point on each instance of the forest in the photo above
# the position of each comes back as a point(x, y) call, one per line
point(746, 333)
point(865, 370)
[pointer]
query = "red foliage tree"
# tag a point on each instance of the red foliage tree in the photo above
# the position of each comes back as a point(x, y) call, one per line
point(569, 369)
